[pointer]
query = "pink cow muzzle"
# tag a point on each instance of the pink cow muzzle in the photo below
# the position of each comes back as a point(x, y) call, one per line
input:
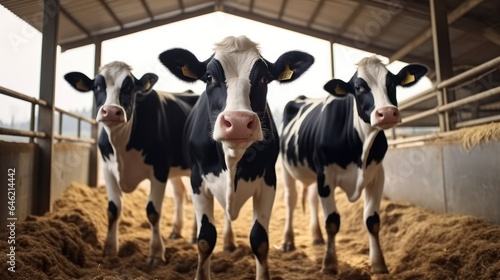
point(386, 117)
point(111, 115)
point(237, 128)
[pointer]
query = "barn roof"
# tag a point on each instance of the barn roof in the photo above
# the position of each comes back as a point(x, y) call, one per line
point(398, 29)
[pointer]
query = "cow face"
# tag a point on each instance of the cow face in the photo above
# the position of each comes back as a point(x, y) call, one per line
point(115, 90)
point(374, 89)
point(236, 78)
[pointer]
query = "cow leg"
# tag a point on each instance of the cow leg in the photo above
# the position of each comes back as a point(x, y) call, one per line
point(179, 194)
point(229, 244)
point(153, 211)
point(326, 191)
point(373, 196)
point(207, 234)
point(114, 211)
point(290, 196)
point(259, 238)
point(312, 197)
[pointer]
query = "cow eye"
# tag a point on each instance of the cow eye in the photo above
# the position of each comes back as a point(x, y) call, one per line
point(360, 89)
point(264, 80)
point(97, 87)
point(208, 78)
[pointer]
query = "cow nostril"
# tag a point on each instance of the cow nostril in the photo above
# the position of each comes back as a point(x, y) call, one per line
point(118, 112)
point(226, 123)
point(379, 114)
point(250, 125)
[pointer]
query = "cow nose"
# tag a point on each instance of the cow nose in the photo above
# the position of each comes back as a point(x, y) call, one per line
point(238, 125)
point(112, 113)
point(387, 117)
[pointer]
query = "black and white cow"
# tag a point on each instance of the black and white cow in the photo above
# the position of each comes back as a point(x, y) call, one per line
point(339, 141)
point(232, 140)
point(141, 139)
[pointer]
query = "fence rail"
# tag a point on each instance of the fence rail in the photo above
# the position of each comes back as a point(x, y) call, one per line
point(470, 75)
point(32, 133)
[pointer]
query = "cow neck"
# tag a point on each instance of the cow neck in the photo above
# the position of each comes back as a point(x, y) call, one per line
point(367, 134)
point(118, 136)
point(231, 157)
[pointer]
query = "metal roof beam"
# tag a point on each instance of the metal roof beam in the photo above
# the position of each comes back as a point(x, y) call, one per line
point(127, 31)
point(282, 9)
point(427, 34)
point(147, 9)
point(315, 13)
point(74, 21)
point(111, 13)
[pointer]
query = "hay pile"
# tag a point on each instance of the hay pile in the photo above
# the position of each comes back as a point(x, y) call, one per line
point(67, 243)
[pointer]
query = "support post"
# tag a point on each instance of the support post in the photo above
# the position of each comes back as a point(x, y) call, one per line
point(42, 190)
point(442, 58)
point(93, 158)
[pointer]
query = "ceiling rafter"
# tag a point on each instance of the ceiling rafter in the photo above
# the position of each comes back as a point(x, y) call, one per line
point(111, 13)
point(315, 13)
point(74, 21)
point(282, 9)
point(147, 9)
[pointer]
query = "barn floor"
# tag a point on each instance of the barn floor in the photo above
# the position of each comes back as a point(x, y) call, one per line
point(67, 242)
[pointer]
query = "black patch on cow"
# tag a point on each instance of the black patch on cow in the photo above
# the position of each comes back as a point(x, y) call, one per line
point(390, 85)
point(208, 233)
point(152, 214)
point(364, 98)
point(155, 120)
point(259, 241)
point(99, 89)
point(127, 96)
point(323, 190)
point(373, 223)
point(112, 213)
point(332, 223)
point(104, 145)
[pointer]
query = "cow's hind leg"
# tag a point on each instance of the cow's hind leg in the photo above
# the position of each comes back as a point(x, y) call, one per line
point(332, 223)
point(373, 196)
point(153, 211)
point(179, 195)
point(259, 238)
point(312, 197)
point(229, 244)
point(114, 211)
point(290, 196)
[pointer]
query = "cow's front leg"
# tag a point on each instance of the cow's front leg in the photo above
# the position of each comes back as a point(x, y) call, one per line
point(179, 195)
point(259, 238)
point(332, 223)
point(290, 196)
point(153, 211)
point(229, 244)
point(114, 211)
point(373, 196)
point(312, 197)
point(207, 234)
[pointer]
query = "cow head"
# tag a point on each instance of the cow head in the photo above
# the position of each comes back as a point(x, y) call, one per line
point(236, 78)
point(374, 89)
point(115, 90)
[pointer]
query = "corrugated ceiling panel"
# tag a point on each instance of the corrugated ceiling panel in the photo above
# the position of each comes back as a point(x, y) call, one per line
point(334, 14)
point(68, 31)
point(91, 14)
point(127, 10)
point(241, 5)
point(299, 11)
point(159, 8)
point(267, 8)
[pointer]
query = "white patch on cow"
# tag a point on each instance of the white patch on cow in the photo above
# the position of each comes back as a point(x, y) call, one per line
point(114, 73)
point(216, 185)
point(374, 72)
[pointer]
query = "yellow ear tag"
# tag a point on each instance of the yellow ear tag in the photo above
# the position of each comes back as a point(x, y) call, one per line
point(80, 85)
point(186, 72)
point(286, 74)
point(147, 86)
point(339, 90)
point(408, 79)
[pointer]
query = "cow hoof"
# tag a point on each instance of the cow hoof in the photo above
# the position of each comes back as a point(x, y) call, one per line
point(174, 235)
point(329, 270)
point(229, 248)
point(155, 261)
point(288, 247)
point(317, 242)
point(380, 270)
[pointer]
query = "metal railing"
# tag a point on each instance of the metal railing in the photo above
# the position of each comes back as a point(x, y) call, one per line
point(435, 91)
point(32, 133)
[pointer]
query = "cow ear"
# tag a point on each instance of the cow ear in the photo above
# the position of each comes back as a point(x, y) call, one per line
point(338, 88)
point(290, 66)
point(411, 74)
point(146, 82)
point(183, 64)
point(79, 81)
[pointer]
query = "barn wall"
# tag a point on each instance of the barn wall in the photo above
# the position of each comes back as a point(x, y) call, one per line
point(447, 178)
point(70, 164)
point(21, 157)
